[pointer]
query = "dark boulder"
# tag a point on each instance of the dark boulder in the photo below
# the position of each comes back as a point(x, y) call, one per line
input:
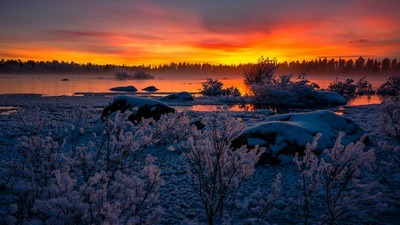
point(150, 88)
point(181, 96)
point(140, 108)
point(124, 88)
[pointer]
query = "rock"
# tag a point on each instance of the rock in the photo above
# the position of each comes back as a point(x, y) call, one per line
point(181, 96)
point(264, 111)
point(330, 98)
point(124, 88)
point(150, 88)
point(140, 107)
point(199, 125)
point(287, 134)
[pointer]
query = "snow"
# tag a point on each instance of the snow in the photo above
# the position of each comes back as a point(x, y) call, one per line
point(264, 111)
point(124, 88)
point(178, 97)
point(331, 98)
point(178, 200)
point(300, 129)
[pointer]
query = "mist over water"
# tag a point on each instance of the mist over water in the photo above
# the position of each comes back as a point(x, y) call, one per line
point(58, 84)
point(70, 84)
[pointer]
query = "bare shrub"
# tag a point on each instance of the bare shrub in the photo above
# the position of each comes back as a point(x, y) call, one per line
point(390, 87)
point(391, 107)
point(263, 71)
point(106, 177)
point(336, 177)
point(284, 91)
point(213, 87)
point(346, 87)
point(219, 170)
point(259, 204)
point(364, 87)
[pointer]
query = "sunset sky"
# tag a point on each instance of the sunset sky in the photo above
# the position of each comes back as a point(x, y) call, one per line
point(134, 32)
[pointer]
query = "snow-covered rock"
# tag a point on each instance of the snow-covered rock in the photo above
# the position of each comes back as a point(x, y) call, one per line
point(264, 111)
point(140, 107)
point(287, 134)
point(150, 88)
point(124, 88)
point(178, 97)
point(330, 98)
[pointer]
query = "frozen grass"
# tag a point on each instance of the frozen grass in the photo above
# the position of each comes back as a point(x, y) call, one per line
point(178, 202)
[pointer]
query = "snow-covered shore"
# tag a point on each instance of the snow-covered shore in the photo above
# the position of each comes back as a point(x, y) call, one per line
point(178, 198)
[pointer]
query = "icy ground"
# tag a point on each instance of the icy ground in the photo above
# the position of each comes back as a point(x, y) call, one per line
point(178, 197)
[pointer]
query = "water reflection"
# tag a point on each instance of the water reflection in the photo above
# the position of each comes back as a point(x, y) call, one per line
point(357, 101)
point(365, 100)
point(243, 108)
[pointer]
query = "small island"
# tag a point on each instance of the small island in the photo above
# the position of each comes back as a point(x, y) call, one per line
point(124, 88)
point(138, 75)
point(150, 88)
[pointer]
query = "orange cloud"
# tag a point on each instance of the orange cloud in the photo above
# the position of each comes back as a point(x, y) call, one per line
point(157, 32)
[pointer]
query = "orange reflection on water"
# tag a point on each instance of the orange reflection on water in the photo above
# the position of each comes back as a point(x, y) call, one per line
point(365, 100)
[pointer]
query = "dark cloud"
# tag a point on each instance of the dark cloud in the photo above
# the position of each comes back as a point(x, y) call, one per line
point(221, 45)
point(217, 22)
point(291, 27)
point(265, 16)
point(74, 35)
point(359, 41)
point(69, 34)
point(234, 19)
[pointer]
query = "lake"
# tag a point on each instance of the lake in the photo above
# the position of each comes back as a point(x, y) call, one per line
point(69, 85)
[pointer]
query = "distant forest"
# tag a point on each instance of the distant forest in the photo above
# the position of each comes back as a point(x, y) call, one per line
point(320, 66)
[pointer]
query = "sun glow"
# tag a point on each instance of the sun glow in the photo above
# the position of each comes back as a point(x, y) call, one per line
point(218, 33)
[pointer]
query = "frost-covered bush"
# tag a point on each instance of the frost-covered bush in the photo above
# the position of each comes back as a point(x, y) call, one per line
point(346, 87)
point(388, 170)
point(391, 107)
point(213, 87)
point(85, 174)
point(336, 178)
point(390, 87)
point(389, 167)
point(173, 129)
point(284, 91)
point(261, 72)
point(364, 87)
point(259, 204)
point(219, 170)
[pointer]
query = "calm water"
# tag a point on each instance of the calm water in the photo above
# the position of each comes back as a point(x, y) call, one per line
point(54, 85)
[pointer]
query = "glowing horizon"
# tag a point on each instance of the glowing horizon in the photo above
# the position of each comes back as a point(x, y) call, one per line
point(156, 32)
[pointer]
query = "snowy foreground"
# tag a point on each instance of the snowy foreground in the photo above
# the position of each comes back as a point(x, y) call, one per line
point(50, 173)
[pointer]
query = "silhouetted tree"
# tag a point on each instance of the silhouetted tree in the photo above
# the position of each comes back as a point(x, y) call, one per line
point(349, 66)
point(385, 65)
point(263, 71)
point(359, 65)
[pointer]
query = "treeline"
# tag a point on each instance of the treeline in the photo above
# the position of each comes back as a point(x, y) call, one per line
point(320, 66)
point(360, 66)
